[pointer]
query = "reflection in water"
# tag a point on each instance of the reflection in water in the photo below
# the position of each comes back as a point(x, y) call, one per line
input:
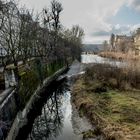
point(49, 123)
point(54, 123)
point(51, 117)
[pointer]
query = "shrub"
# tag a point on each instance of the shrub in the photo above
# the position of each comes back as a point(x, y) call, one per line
point(122, 78)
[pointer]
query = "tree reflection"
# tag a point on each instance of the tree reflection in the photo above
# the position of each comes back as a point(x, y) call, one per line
point(50, 123)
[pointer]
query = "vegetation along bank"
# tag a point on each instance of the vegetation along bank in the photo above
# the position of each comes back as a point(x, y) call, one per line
point(109, 96)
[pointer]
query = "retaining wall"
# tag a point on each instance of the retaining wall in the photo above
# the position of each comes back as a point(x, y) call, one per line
point(21, 118)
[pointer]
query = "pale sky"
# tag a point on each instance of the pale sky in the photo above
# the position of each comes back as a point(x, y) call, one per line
point(98, 18)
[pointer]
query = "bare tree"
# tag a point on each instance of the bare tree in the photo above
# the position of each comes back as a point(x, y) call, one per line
point(22, 37)
point(25, 35)
point(56, 9)
point(105, 45)
point(77, 32)
point(10, 38)
point(52, 16)
point(2, 11)
point(52, 21)
point(74, 40)
point(9, 33)
point(112, 40)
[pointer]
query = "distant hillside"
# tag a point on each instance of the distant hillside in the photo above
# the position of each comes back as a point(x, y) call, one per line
point(92, 47)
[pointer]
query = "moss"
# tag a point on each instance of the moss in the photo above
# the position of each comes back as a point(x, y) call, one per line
point(31, 78)
point(28, 85)
point(22, 74)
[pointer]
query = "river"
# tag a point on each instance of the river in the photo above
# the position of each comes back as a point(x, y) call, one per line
point(90, 59)
point(54, 122)
point(55, 117)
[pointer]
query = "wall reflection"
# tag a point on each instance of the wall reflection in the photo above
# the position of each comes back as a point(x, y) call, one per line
point(50, 123)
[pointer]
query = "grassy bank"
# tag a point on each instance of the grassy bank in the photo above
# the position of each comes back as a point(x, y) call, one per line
point(120, 56)
point(115, 111)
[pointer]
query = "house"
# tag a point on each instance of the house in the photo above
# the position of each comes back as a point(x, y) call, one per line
point(137, 42)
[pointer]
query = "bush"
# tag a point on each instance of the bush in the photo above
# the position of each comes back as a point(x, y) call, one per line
point(116, 77)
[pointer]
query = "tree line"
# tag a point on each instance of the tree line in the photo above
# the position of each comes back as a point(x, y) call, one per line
point(25, 35)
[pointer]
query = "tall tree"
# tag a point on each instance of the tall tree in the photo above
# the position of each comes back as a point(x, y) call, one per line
point(74, 37)
point(52, 22)
point(26, 34)
point(112, 41)
point(105, 45)
point(9, 36)
point(56, 9)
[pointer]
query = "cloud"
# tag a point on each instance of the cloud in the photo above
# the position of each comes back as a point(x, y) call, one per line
point(116, 29)
point(101, 33)
point(134, 28)
point(95, 39)
point(135, 4)
point(92, 15)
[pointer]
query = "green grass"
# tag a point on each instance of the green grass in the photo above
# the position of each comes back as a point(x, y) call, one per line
point(116, 112)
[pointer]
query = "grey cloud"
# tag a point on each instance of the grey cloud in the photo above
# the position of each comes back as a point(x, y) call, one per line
point(121, 30)
point(100, 33)
point(135, 4)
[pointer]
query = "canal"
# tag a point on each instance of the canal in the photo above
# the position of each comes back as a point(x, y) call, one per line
point(54, 117)
point(54, 122)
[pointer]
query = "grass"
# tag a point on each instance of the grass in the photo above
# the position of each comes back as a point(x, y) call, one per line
point(116, 113)
point(90, 134)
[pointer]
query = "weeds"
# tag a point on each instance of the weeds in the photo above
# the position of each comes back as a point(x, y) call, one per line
point(109, 96)
point(125, 78)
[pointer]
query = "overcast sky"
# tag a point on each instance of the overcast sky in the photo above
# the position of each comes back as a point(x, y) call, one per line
point(98, 18)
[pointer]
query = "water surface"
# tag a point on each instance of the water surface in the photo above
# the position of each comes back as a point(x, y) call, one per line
point(55, 122)
point(91, 58)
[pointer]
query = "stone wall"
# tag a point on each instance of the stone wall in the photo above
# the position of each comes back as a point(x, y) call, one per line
point(8, 107)
point(8, 111)
point(21, 118)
